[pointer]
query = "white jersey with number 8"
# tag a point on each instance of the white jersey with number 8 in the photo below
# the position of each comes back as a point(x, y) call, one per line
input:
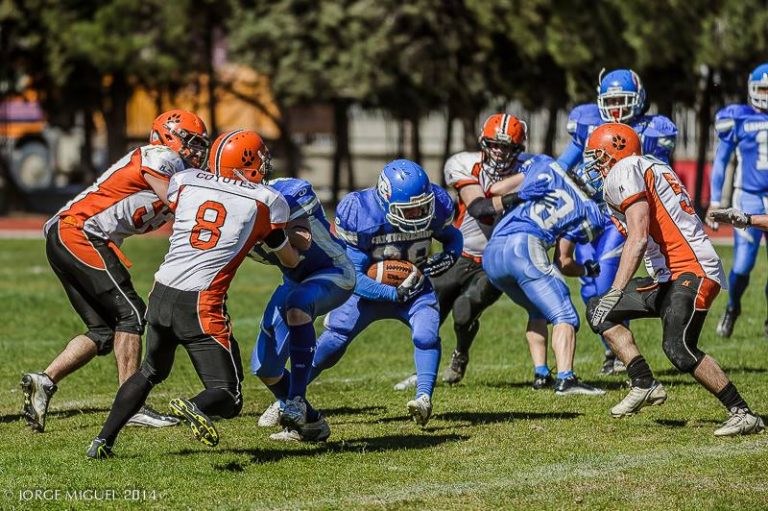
point(218, 221)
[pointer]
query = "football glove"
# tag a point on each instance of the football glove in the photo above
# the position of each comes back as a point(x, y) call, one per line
point(731, 216)
point(411, 286)
point(591, 268)
point(437, 264)
point(606, 304)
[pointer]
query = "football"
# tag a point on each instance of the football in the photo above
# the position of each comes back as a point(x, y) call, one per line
point(391, 272)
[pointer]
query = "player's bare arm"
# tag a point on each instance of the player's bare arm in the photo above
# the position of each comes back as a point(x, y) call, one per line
point(564, 251)
point(634, 247)
point(478, 205)
point(159, 186)
point(508, 184)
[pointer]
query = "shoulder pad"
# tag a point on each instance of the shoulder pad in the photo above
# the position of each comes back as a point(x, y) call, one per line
point(161, 159)
point(727, 118)
point(345, 222)
point(586, 114)
point(443, 204)
point(458, 168)
point(663, 126)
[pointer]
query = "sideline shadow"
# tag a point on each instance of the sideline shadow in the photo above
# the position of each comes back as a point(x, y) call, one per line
point(496, 417)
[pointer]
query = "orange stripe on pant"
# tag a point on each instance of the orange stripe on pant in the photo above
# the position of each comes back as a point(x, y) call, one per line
point(708, 291)
point(76, 241)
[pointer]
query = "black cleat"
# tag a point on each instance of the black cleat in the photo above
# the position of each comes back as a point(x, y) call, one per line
point(541, 382)
point(99, 450)
point(726, 323)
point(454, 373)
point(202, 427)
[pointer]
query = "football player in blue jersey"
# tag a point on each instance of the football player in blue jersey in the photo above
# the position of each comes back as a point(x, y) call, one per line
point(516, 262)
point(743, 129)
point(397, 219)
point(323, 280)
point(620, 98)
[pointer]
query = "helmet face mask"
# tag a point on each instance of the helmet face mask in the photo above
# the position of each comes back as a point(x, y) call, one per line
point(590, 180)
point(597, 161)
point(499, 156)
point(758, 87)
point(194, 147)
point(620, 95)
point(405, 193)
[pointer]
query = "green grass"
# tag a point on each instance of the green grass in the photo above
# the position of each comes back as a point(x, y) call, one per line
point(493, 442)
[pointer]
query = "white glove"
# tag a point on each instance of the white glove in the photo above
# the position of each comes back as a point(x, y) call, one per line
point(731, 216)
point(411, 286)
point(606, 304)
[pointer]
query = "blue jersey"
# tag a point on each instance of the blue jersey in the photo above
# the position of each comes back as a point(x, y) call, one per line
point(574, 216)
point(745, 130)
point(657, 134)
point(361, 223)
point(325, 252)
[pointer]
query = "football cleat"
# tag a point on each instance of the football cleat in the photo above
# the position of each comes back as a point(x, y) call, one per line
point(726, 323)
point(149, 418)
point(99, 450)
point(294, 414)
point(638, 398)
point(271, 416)
point(541, 382)
point(573, 386)
point(37, 389)
point(317, 431)
point(612, 365)
point(202, 427)
point(741, 422)
point(420, 409)
point(407, 383)
point(454, 373)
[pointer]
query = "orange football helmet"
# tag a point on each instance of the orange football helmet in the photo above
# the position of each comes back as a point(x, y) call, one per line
point(241, 154)
point(185, 133)
point(608, 144)
point(502, 140)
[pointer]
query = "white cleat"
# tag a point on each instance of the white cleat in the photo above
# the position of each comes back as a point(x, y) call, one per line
point(287, 435)
point(149, 418)
point(37, 389)
point(638, 398)
point(420, 409)
point(741, 422)
point(271, 416)
point(406, 384)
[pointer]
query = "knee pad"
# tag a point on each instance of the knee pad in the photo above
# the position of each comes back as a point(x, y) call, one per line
point(424, 342)
point(103, 338)
point(681, 356)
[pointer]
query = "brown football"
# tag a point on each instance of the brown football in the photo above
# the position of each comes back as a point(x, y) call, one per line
point(391, 272)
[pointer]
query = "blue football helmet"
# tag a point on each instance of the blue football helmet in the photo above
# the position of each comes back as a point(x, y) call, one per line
point(758, 87)
point(405, 193)
point(620, 95)
point(589, 178)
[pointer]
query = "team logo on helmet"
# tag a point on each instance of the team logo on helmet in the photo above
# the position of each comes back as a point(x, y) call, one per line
point(619, 142)
point(247, 157)
point(384, 187)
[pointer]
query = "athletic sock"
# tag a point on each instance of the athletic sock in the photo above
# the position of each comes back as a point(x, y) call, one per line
point(426, 361)
point(564, 375)
point(731, 398)
point(281, 388)
point(302, 347)
point(640, 373)
point(312, 414)
point(542, 371)
point(737, 284)
point(129, 400)
point(464, 338)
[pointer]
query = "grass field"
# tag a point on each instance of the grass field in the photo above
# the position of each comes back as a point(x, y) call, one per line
point(493, 442)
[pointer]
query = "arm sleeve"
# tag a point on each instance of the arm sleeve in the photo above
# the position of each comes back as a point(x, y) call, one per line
point(366, 286)
point(571, 157)
point(482, 209)
point(452, 240)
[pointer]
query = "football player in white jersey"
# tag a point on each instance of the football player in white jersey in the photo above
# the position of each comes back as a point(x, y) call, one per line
point(686, 274)
point(82, 242)
point(220, 216)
